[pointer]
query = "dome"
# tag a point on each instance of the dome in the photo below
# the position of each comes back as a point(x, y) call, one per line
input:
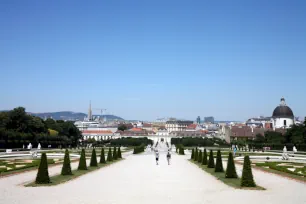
point(283, 111)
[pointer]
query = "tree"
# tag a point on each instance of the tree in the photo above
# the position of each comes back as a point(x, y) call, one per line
point(115, 154)
point(196, 155)
point(122, 127)
point(219, 165)
point(82, 162)
point(204, 160)
point(119, 153)
point(109, 155)
point(247, 176)
point(200, 156)
point(230, 169)
point(93, 159)
point(102, 157)
point(66, 169)
point(192, 154)
point(43, 174)
point(211, 162)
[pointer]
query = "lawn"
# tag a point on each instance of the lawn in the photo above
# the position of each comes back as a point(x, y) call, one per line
point(233, 182)
point(58, 179)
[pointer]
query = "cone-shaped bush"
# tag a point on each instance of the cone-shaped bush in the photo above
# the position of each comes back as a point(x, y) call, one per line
point(247, 176)
point(200, 156)
point(211, 162)
point(196, 155)
point(82, 162)
point(204, 160)
point(66, 169)
point(43, 174)
point(109, 155)
point(93, 159)
point(115, 154)
point(192, 154)
point(219, 165)
point(119, 153)
point(102, 157)
point(230, 169)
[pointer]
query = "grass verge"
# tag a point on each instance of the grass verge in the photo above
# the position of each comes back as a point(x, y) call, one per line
point(233, 182)
point(59, 179)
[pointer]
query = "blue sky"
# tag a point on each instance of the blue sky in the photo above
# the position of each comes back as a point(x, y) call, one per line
point(148, 59)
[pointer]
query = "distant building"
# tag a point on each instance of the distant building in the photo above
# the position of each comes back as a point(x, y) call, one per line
point(209, 119)
point(282, 116)
point(177, 125)
point(198, 120)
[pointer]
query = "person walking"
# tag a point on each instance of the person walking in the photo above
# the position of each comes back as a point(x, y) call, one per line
point(156, 156)
point(168, 157)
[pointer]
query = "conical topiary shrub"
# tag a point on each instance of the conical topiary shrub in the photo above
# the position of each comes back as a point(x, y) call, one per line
point(109, 155)
point(82, 162)
point(204, 160)
point(192, 154)
point(93, 159)
point(200, 156)
point(219, 165)
point(211, 162)
point(66, 169)
point(119, 153)
point(115, 154)
point(196, 155)
point(247, 176)
point(102, 157)
point(43, 174)
point(230, 169)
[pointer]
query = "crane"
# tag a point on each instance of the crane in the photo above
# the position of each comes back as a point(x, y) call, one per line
point(101, 109)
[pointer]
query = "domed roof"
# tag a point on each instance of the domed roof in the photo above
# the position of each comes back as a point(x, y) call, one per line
point(283, 111)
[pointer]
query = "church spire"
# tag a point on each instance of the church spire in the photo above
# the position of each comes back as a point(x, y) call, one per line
point(89, 111)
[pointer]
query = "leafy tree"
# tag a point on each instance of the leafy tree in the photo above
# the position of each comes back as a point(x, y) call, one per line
point(231, 169)
point(200, 156)
point(122, 127)
point(204, 160)
point(82, 162)
point(219, 165)
point(119, 153)
point(192, 154)
point(247, 175)
point(109, 155)
point(93, 159)
point(211, 162)
point(102, 157)
point(66, 169)
point(43, 174)
point(115, 154)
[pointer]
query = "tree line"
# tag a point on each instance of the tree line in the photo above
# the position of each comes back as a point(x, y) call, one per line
point(18, 129)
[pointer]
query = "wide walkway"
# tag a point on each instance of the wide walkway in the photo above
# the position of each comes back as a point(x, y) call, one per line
point(138, 180)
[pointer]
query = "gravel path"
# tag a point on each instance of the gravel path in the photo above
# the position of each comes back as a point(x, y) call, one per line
point(138, 180)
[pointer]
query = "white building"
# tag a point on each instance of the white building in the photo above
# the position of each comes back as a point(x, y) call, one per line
point(177, 125)
point(282, 116)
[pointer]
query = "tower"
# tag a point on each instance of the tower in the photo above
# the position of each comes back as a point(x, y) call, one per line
point(89, 112)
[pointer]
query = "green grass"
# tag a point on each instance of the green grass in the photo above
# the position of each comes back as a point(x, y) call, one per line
point(233, 182)
point(58, 179)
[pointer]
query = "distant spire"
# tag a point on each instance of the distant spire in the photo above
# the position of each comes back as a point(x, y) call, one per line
point(89, 111)
point(283, 102)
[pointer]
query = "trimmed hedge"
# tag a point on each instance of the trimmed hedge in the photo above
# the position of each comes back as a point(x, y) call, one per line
point(211, 162)
point(231, 169)
point(139, 149)
point(66, 169)
point(200, 156)
point(219, 165)
point(82, 162)
point(192, 154)
point(109, 155)
point(42, 176)
point(247, 179)
point(204, 160)
point(102, 157)
point(93, 159)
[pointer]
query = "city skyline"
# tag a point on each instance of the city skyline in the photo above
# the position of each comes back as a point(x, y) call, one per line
point(144, 60)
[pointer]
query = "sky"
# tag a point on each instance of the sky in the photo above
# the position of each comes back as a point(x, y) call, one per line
point(149, 59)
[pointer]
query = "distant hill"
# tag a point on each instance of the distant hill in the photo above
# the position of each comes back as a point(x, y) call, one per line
point(69, 115)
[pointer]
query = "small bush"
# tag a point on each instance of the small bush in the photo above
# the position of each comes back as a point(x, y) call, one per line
point(82, 162)
point(200, 156)
point(204, 160)
point(119, 153)
point(115, 154)
point(211, 162)
point(93, 159)
point(192, 154)
point(109, 155)
point(66, 169)
point(230, 169)
point(43, 174)
point(138, 149)
point(196, 155)
point(247, 179)
point(181, 151)
point(102, 157)
point(219, 165)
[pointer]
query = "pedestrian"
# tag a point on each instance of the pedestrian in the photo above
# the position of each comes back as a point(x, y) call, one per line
point(168, 157)
point(156, 156)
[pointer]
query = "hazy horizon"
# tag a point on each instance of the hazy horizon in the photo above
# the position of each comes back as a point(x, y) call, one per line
point(145, 60)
